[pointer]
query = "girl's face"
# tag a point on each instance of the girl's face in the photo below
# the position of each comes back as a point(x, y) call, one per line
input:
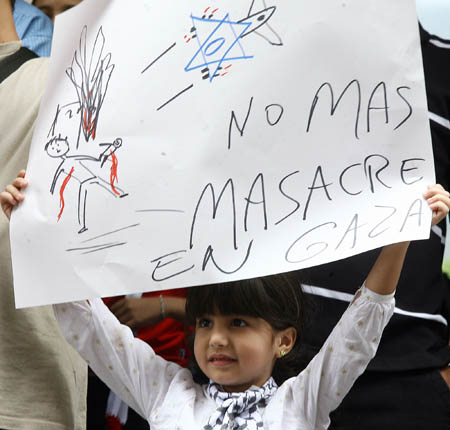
point(54, 7)
point(236, 351)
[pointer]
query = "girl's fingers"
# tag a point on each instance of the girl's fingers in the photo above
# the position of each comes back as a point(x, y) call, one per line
point(12, 195)
point(439, 201)
point(440, 211)
point(7, 199)
point(7, 202)
point(20, 183)
point(443, 199)
point(439, 206)
point(436, 193)
point(15, 192)
point(436, 190)
point(440, 194)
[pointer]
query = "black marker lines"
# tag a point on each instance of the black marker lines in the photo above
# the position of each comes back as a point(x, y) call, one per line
point(158, 58)
point(95, 248)
point(168, 255)
point(175, 96)
point(111, 232)
point(112, 245)
point(90, 74)
point(160, 210)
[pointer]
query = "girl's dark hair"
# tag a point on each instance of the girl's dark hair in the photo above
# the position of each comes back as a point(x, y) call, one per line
point(13, 2)
point(278, 299)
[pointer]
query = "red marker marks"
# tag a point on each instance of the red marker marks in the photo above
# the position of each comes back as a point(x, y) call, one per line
point(226, 70)
point(85, 119)
point(211, 13)
point(113, 176)
point(61, 193)
point(89, 125)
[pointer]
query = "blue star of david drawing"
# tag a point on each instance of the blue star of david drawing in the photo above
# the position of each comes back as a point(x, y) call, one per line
point(222, 44)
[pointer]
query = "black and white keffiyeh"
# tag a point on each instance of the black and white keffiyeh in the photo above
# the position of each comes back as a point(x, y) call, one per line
point(238, 411)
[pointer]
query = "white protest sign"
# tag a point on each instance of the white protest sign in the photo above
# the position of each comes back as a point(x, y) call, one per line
point(187, 143)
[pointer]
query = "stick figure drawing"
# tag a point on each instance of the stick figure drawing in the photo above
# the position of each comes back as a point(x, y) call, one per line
point(74, 166)
point(90, 75)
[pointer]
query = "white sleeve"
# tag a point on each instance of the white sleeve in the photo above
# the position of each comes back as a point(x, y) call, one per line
point(128, 366)
point(321, 387)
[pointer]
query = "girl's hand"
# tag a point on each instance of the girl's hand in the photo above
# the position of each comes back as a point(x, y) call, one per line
point(12, 195)
point(439, 201)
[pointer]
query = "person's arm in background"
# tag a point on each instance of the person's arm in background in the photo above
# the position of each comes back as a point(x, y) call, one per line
point(144, 311)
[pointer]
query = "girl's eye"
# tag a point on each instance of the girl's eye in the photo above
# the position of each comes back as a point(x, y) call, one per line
point(203, 323)
point(237, 322)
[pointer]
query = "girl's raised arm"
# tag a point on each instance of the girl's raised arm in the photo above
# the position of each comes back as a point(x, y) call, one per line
point(354, 340)
point(385, 273)
point(127, 365)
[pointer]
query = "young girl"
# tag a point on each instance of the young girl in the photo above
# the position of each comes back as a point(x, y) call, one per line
point(246, 348)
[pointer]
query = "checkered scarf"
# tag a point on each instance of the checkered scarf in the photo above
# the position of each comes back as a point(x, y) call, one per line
point(238, 411)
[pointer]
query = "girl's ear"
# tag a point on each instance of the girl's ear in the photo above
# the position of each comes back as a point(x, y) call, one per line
point(285, 341)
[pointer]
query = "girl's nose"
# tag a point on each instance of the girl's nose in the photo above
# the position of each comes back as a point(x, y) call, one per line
point(218, 338)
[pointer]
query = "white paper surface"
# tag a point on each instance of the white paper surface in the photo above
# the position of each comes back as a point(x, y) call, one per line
point(187, 143)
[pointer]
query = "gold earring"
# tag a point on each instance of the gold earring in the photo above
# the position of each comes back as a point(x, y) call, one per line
point(282, 353)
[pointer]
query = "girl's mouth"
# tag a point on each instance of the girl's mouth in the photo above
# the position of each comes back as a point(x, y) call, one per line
point(221, 360)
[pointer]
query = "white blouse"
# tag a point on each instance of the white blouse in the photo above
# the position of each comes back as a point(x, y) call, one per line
point(166, 395)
